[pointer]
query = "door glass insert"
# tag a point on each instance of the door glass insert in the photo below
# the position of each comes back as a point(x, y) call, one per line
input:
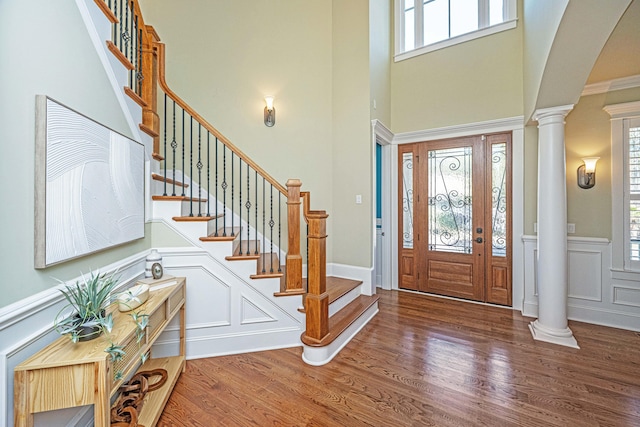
point(407, 200)
point(450, 208)
point(499, 199)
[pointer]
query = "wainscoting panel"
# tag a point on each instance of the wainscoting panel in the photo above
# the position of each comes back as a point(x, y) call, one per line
point(596, 293)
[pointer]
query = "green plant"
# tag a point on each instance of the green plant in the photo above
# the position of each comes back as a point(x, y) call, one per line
point(86, 307)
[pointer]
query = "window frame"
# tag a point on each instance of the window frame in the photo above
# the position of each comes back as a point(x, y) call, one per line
point(509, 22)
point(621, 117)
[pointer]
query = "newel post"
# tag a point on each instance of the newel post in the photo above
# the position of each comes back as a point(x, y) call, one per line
point(317, 298)
point(294, 259)
point(150, 118)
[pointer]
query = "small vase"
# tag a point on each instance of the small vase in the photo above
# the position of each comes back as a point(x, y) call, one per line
point(152, 258)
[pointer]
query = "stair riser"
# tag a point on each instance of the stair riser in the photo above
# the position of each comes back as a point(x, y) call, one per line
point(195, 208)
point(344, 300)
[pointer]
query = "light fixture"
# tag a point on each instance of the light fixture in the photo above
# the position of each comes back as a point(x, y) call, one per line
point(587, 172)
point(269, 112)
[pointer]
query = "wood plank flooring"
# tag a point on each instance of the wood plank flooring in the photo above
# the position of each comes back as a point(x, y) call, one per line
point(424, 361)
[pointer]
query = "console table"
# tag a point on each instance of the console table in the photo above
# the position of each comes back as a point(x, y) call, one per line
point(66, 374)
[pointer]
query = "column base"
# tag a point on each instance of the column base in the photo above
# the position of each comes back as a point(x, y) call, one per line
point(554, 336)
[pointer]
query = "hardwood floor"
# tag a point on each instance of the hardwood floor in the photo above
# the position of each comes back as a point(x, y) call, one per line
point(424, 361)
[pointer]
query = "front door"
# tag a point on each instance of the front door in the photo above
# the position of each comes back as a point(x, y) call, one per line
point(455, 217)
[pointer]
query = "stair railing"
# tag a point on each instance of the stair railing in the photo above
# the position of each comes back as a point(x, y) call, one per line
point(243, 191)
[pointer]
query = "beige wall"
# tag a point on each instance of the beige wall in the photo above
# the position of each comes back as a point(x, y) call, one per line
point(223, 57)
point(54, 57)
point(380, 54)
point(470, 82)
point(588, 134)
point(352, 146)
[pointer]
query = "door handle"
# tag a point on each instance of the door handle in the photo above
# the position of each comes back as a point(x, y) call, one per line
point(478, 230)
point(478, 239)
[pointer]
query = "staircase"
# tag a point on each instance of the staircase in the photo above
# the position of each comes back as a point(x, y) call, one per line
point(212, 194)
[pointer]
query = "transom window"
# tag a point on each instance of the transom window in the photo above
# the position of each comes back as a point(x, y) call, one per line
point(426, 25)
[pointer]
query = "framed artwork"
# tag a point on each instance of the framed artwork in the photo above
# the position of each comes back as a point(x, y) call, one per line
point(89, 185)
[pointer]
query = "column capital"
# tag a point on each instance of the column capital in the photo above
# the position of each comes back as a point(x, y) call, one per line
point(543, 115)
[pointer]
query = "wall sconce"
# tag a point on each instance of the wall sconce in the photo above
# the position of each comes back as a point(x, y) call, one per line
point(269, 112)
point(587, 172)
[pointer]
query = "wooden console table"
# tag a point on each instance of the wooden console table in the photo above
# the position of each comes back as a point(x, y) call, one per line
point(66, 374)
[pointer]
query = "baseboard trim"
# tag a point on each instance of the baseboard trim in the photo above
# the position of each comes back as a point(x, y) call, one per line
point(318, 356)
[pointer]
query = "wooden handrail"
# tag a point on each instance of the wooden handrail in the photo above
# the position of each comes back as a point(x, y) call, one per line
point(207, 125)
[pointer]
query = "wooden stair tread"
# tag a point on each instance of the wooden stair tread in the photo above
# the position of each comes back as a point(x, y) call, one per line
point(179, 198)
point(337, 287)
point(227, 234)
point(195, 218)
point(169, 181)
point(340, 321)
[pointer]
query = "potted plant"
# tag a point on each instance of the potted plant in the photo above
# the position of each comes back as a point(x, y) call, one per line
point(88, 302)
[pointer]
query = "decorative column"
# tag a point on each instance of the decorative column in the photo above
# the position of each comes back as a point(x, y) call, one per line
point(552, 278)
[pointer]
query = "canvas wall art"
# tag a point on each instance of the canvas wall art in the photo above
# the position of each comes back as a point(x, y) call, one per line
point(89, 185)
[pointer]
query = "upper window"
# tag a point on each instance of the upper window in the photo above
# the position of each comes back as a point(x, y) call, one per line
point(426, 25)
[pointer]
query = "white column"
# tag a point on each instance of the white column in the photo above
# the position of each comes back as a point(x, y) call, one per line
point(552, 279)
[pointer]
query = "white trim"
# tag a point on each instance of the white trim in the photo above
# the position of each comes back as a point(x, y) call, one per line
point(477, 128)
point(482, 32)
point(318, 356)
point(624, 110)
point(381, 132)
point(383, 136)
point(611, 85)
point(354, 273)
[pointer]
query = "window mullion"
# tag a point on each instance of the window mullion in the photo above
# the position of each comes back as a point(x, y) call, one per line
point(418, 17)
point(483, 13)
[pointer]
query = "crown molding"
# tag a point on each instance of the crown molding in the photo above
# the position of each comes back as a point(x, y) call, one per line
point(489, 126)
point(611, 85)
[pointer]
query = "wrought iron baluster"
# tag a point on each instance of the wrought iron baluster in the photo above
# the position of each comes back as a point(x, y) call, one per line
point(115, 32)
point(223, 233)
point(118, 26)
point(174, 146)
point(199, 166)
point(232, 215)
point(256, 223)
point(125, 32)
point(183, 149)
point(224, 189)
point(139, 74)
point(191, 165)
point(129, 54)
point(164, 193)
point(239, 205)
point(208, 177)
point(279, 228)
point(264, 233)
point(248, 206)
point(271, 223)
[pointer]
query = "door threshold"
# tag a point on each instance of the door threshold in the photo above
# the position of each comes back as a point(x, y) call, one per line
point(488, 304)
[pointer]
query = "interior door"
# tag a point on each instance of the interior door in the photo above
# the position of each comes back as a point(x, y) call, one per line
point(455, 218)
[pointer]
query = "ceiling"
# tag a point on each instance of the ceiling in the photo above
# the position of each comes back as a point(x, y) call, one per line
point(620, 56)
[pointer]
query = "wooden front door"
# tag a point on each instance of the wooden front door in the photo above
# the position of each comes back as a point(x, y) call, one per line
point(455, 217)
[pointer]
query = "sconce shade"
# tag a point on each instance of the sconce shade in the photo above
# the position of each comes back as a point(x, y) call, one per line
point(269, 101)
point(590, 164)
point(587, 172)
point(269, 112)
